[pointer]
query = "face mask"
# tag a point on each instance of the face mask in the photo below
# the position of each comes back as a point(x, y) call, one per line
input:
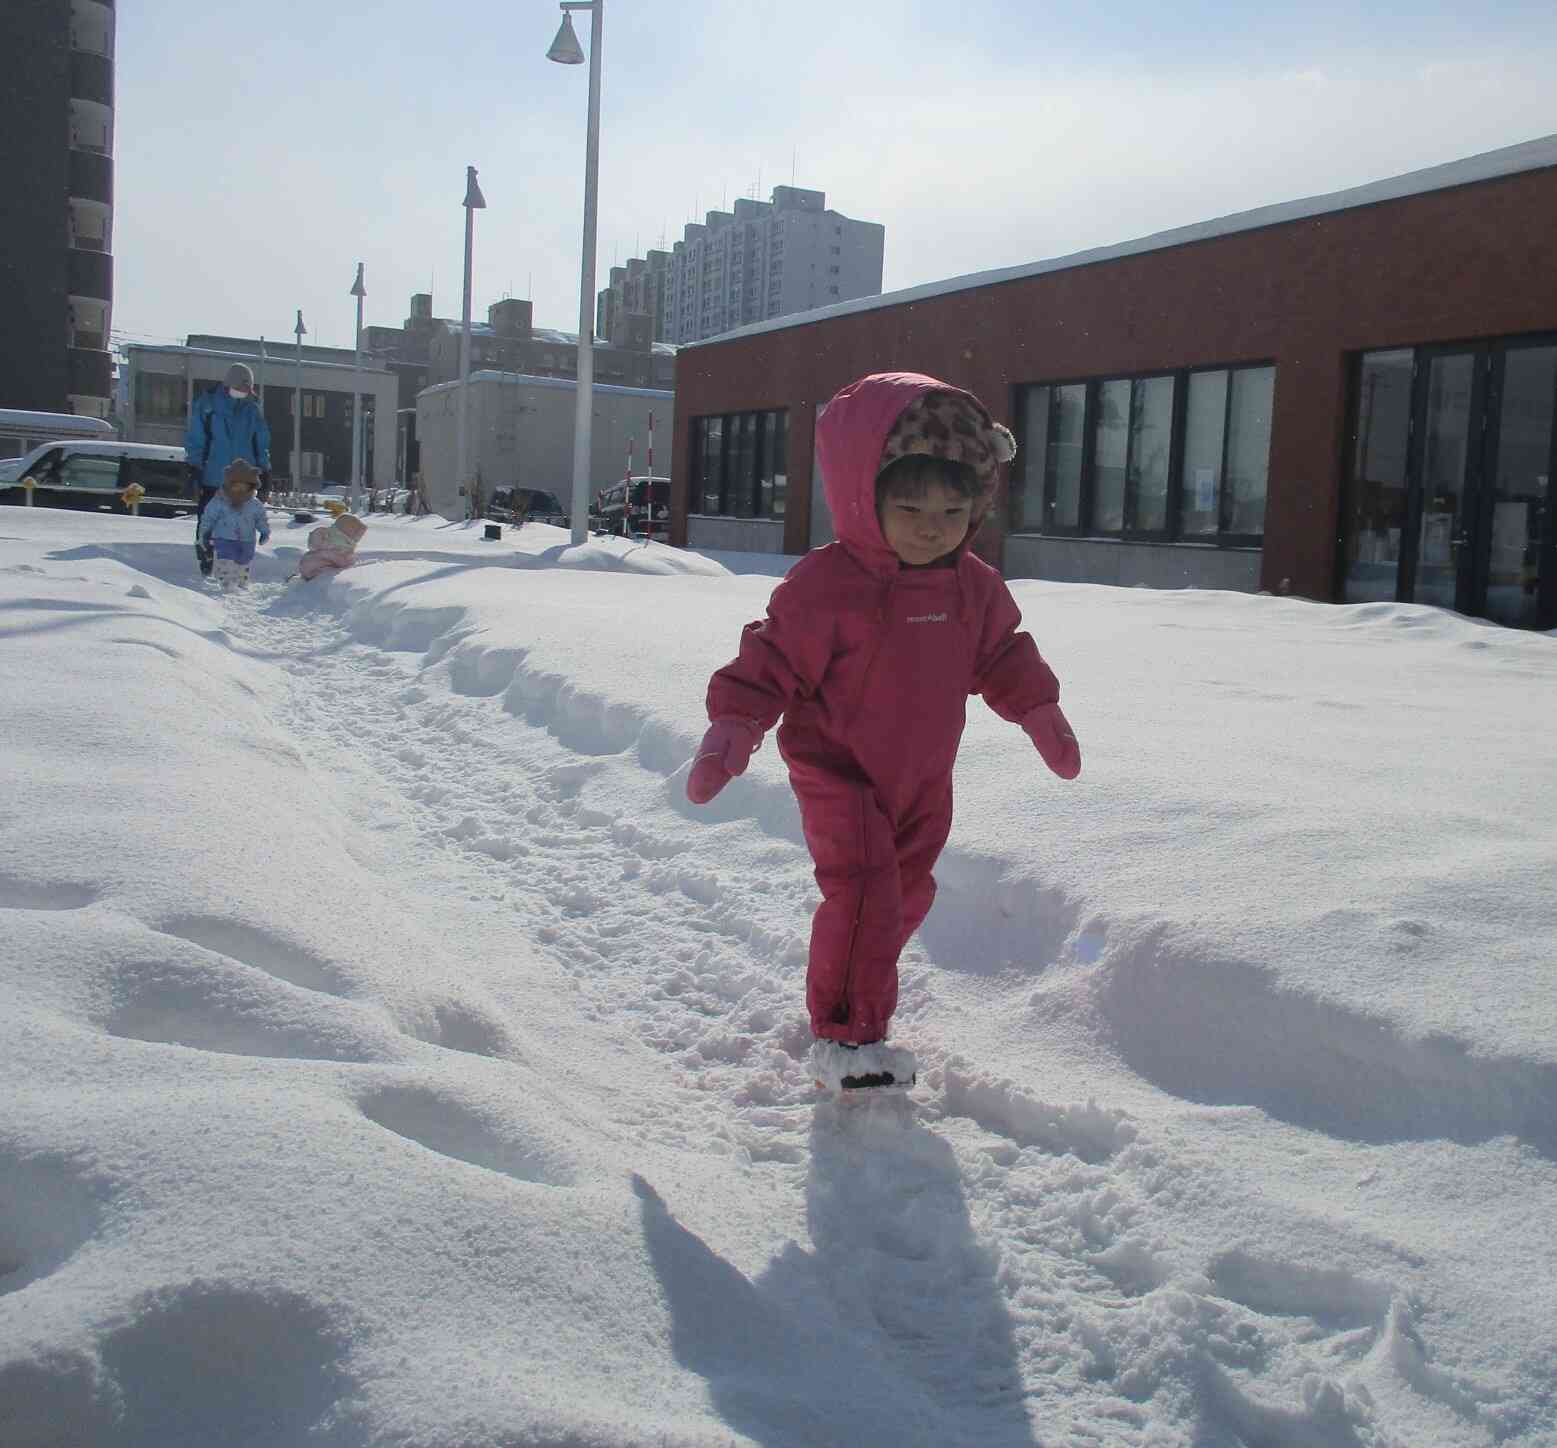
point(239, 394)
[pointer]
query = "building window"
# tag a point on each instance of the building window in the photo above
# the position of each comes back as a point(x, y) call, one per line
point(160, 397)
point(1181, 456)
point(87, 324)
point(91, 127)
point(1379, 482)
point(92, 474)
point(313, 404)
point(89, 225)
point(1247, 468)
point(91, 29)
point(740, 464)
point(84, 405)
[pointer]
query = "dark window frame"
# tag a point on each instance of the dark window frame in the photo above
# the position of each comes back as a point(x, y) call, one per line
point(151, 386)
point(765, 424)
point(1129, 533)
point(1492, 353)
point(1225, 537)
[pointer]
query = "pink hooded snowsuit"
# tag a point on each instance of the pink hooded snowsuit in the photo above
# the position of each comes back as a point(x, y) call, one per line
point(333, 546)
point(870, 665)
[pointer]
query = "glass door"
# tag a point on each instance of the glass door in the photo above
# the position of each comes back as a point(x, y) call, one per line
point(1378, 492)
point(1517, 507)
point(1450, 489)
point(1446, 478)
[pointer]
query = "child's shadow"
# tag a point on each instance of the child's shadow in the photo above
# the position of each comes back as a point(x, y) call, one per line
point(892, 1330)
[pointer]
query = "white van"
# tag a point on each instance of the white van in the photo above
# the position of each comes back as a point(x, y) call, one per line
point(72, 474)
point(22, 430)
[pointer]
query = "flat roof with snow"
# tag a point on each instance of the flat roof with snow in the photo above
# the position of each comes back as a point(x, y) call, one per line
point(281, 356)
point(562, 384)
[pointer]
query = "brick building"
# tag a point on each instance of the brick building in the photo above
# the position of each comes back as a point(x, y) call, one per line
point(1350, 397)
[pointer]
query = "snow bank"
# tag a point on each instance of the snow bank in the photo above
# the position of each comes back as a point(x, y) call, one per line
point(390, 1054)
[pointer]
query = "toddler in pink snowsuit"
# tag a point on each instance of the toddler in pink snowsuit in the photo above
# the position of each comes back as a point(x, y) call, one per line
point(868, 653)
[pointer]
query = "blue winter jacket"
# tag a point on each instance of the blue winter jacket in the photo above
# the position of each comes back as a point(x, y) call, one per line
point(237, 525)
point(221, 429)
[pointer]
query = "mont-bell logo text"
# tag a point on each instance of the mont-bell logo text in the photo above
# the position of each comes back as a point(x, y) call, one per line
point(926, 618)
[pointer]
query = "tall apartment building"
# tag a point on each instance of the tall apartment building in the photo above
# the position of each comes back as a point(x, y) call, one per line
point(764, 259)
point(56, 267)
point(639, 289)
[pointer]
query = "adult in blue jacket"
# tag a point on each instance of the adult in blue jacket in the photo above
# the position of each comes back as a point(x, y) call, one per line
point(225, 422)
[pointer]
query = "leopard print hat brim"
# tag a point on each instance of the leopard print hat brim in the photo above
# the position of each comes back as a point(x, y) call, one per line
point(951, 425)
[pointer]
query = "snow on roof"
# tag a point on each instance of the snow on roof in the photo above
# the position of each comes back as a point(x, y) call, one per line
point(1533, 155)
point(282, 353)
point(568, 384)
point(112, 447)
point(550, 336)
point(17, 419)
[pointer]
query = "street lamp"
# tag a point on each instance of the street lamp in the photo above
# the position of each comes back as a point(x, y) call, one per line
point(300, 331)
point(473, 202)
point(565, 51)
point(359, 291)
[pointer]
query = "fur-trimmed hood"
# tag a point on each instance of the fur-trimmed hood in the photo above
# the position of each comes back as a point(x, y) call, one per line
point(889, 415)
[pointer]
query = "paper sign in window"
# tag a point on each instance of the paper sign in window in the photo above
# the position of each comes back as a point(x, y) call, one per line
point(1205, 490)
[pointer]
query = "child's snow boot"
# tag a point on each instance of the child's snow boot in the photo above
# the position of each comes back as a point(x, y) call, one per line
point(844, 1066)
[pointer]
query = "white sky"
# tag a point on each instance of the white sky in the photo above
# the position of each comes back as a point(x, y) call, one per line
point(262, 152)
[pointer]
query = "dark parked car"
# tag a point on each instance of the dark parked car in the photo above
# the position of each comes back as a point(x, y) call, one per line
point(634, 507)
point(520, 505)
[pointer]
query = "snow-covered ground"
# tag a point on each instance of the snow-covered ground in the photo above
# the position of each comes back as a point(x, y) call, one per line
point(390, 1055)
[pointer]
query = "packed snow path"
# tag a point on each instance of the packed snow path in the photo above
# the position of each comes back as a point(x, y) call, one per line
point(985, 1263)
point(495, 815)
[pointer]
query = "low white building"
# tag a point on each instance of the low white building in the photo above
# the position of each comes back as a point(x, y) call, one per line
point(521, 434)
point(161, 382)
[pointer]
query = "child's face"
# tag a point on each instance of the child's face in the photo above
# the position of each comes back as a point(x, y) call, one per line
point(921, 530)
point(238, 493)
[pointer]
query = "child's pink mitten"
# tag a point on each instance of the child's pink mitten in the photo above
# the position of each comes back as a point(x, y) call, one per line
point(724, 753)
point(1051, 733)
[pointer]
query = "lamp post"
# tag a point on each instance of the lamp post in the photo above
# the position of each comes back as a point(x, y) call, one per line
point(359, 291)
point(473, 202)
point(300, 331)
point(565, 51)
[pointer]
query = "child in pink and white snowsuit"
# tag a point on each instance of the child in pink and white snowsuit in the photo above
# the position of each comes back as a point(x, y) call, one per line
point(869, 651)
point(334, 546)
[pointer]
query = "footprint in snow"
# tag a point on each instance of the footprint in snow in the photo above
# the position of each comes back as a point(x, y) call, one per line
point(440, 1123)
point(1091, 1132)
point(18, 894)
